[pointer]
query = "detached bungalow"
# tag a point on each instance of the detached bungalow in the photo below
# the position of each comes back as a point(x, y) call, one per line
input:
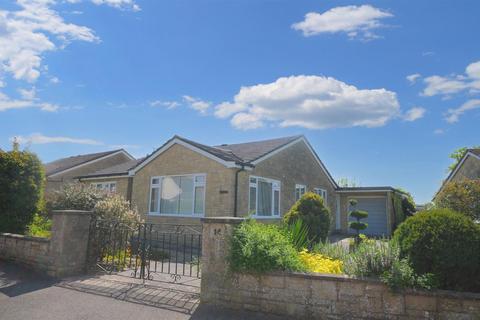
point(62, 171)
point(184, 180)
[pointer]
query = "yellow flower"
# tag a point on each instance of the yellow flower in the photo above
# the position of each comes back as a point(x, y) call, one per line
point(319, 263)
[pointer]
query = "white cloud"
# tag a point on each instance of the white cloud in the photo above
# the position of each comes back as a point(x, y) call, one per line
point(453, 115)
point(414, 114)
point(38, 138)
point(28, 94)
point(26, 34)
point(166, 104)
point(197, 104)
point(438, 131)
point(48, 107)
point(446, 85)
point(119, 4)
point(312, 102)
point(54, 80)
point(355, 21)
point(412, 78)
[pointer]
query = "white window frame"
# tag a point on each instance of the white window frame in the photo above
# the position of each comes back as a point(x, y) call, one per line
point(195, 184)
point(300, 186)
point(276, 186)
point(105, 185)
point(322, 193)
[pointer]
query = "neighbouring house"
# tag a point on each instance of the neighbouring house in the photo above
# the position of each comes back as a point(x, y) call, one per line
point(184, 180)
point(467, 168)
point(62, 171)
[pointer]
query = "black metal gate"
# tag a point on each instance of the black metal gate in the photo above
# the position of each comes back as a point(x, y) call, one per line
point(145, 249)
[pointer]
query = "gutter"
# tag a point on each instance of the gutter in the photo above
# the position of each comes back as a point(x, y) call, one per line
point(235, 199)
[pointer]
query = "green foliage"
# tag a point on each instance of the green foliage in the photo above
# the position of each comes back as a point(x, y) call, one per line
point(346, 182)
point(358, 215)
point(115, 207)
point(461, 196)
point(108, 206)
point(298, 234)
point(311, 209)
point(40, 227)
point(371, 258)
point(22, 181)
point(444, 243)
point(401, 275)
point(332, 250)
point(259, 248)
point(78, 196)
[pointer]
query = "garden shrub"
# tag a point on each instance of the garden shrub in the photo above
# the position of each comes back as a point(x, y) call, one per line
point(461, 196)
point(107, 206)
point(358, 215)
point(401, 275)
point(311, 209)
point(77, 196)
point(444, 243)
point(297, 232)
point(259, 248)
point(115, 207)
point(41, 226)
point(371, 258)
point(22, 181)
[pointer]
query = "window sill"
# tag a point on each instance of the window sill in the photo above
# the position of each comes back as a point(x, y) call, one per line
point(266, 217)
point(156, 214)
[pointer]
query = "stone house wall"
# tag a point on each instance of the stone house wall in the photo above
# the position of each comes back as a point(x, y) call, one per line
point(470, 169)
point(294, 165)
point(178, 160)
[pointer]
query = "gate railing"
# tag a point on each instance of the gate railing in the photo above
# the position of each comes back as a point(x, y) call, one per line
point(145, 249)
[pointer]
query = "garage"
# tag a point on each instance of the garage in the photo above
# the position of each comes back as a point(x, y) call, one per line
point(377, 215)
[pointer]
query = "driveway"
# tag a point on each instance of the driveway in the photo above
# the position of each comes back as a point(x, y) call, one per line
point(26, 295)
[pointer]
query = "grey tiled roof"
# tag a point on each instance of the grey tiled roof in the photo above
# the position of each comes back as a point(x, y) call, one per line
point(251, 151)
point(117, 170)
point(70, 162)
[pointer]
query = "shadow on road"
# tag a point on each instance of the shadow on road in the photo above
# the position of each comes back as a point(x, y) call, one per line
point(16, 280)
point(178, 297)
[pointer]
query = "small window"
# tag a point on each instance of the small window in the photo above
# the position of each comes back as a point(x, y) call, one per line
point(106, 186)
point(322, 193)
point(300, 190)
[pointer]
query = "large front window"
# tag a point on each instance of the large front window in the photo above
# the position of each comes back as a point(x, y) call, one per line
point(178, 195)
point(264, 199)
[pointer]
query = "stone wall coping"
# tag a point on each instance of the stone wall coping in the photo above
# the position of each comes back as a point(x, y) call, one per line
point(23, 237)
point(224, 220)
point(345, 278)
point(72, 212)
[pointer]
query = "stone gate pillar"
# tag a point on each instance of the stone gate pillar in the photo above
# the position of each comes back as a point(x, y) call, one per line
point(69, 242)
point(215, 250)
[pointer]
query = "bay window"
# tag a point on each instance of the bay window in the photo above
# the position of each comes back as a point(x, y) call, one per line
point(264, 197)
point(182, 195)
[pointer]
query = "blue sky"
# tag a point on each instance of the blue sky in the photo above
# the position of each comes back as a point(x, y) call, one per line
point(384, 90)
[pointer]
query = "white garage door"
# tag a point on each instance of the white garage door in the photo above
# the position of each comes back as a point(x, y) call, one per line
point(377, 215)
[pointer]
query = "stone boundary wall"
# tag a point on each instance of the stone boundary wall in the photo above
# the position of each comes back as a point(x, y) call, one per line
point(63, 255)
point(316, 296)
point(30, 251)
